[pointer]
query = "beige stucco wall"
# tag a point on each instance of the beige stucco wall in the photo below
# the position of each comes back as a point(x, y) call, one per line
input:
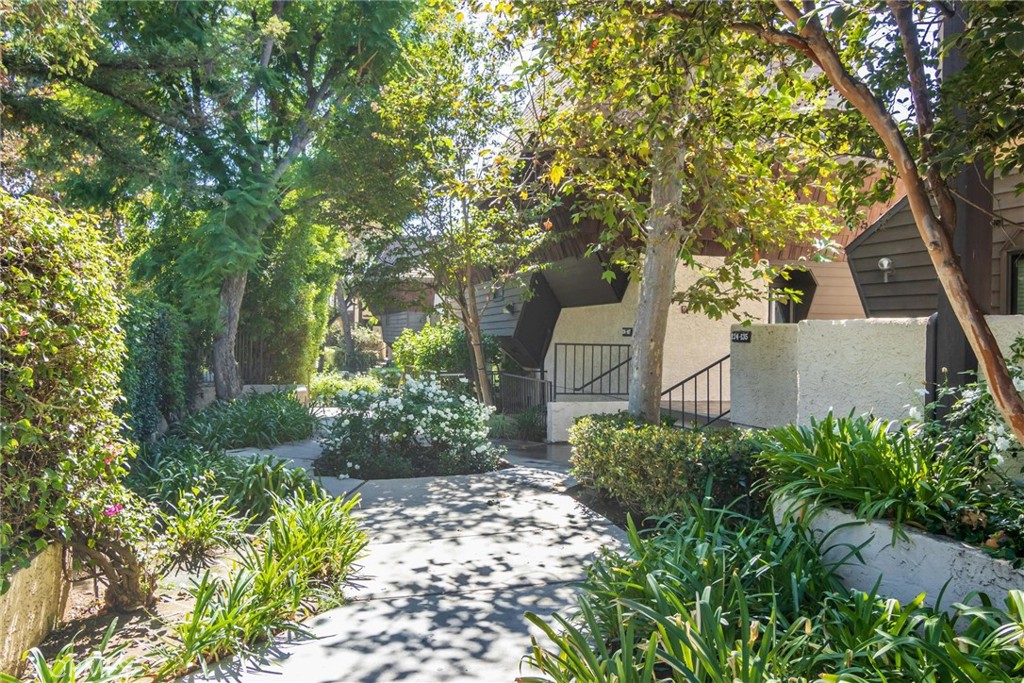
point(692, 341)
point(765, 392)
point(871, 366)
point(32, 606)
point(561, 415)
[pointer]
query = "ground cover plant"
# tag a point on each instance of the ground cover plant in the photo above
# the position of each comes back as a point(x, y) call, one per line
point(529, 425)
point(653, 469)
point(716, 596)
point(262, 420)
point(418, 428)
point(901, 471)
point(324, 387)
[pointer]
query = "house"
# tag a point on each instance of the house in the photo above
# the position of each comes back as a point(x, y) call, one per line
point(792, 373)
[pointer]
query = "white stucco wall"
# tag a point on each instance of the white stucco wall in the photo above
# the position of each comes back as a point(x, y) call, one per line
point(33, 605)
point(921, 563)
point(875, 365)
point(692, 341)
point(561, 415)
point(866, 366)
point(766, 391)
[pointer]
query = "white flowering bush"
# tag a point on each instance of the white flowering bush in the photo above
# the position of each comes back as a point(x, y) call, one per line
point(976, 422)
point(417, 429)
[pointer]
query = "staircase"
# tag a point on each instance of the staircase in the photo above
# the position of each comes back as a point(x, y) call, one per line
point(697, 401)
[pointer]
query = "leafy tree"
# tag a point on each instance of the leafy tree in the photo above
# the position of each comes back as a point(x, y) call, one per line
point(452, 117)
point(684, 136)
point(880, 58)
point(218, 100)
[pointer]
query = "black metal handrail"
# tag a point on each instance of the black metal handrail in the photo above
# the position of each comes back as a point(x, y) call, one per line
point(602, 375)
point(585, 369)
point(518, 393)
point(696, 415)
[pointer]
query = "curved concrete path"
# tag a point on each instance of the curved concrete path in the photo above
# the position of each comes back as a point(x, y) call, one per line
point(452, 565)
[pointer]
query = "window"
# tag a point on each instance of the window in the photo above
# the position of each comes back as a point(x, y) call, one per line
point(1016, 283)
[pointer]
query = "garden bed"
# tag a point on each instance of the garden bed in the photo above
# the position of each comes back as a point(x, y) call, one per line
point(907, 562)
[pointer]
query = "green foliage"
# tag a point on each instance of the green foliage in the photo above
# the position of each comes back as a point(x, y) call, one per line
point(439, 347)
point(256, 419)
point(197, 526)
point(716, 597)
point(654, 469)
point(368, 346)
point(249, 484)
point(300, 559)
point(529, 425)
point(285, 308)
point(417, 429)
point(99, 666)
point(62, 450)
point(324, 387)
point(153, 378)
point(879, 469)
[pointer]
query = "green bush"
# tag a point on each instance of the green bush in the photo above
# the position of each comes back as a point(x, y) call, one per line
point(877, 468)
point(61, 447)
point(197, 526)
point(440, 347)
point(153, 378)
point(299, 561)
point(529, 425)
point(655, 469)
point(324, 387)
point(249, 484)
point(260, 420)
point(368, 347)
point(715, 597)
point(417, 429)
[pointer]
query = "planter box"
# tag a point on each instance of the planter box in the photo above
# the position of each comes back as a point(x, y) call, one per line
point(33, 605)
point(920, 563)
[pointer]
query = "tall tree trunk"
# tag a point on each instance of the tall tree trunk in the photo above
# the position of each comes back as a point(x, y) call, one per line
point(346, 326)
point(661, 254)
point(471, 321)
point(226, 378)
point(934, 231)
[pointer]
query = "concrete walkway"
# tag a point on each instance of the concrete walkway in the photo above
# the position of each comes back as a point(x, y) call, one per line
point(452, 565)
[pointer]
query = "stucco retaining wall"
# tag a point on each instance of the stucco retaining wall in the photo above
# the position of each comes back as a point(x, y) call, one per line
point(561, 415)
point(921, 563)
point(33, 605)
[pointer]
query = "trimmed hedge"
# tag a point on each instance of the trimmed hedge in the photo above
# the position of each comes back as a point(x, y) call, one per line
point(655, 469)
point(63, 454)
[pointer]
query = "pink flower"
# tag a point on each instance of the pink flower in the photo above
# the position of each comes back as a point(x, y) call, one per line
point(113, 510)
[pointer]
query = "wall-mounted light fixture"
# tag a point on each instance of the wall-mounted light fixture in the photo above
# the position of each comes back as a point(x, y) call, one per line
point(885, 265)
point(510, 309)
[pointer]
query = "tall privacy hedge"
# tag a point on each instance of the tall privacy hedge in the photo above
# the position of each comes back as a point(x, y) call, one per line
point(62, 446)
point(153, 379)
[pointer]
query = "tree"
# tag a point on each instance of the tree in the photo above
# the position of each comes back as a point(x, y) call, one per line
point(231, 95)
point(878, 55)
point(679, 135)
point(453, 115)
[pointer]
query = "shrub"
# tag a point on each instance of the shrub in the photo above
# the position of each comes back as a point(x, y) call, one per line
point(439, 347)
point(300, 559)
point(250, 484)
point(153, 378)
point(718, 598)
point(260, 420)
point(369, 345)
point(654, 469)
point(324, 387)
point(61, 445)
point(529, 425)
point(99, 666)
point(417, 429)
point(874, 467)
point(197, 527)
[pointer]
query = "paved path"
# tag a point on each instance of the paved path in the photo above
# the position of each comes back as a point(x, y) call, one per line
point(452, 565)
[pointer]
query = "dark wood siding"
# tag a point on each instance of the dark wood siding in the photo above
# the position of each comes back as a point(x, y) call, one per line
point(913, 286)
point(493, 304)
point(521, 317)
point(579, 282)
point(393, 324)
